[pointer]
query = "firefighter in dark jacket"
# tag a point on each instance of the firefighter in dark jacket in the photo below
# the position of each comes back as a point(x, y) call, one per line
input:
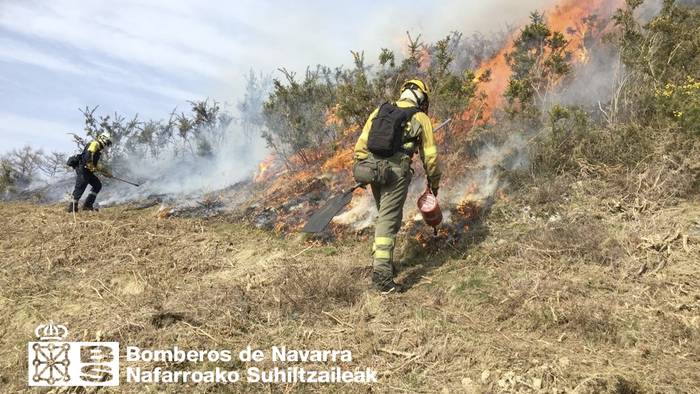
point(393, 133)
point(85, 173)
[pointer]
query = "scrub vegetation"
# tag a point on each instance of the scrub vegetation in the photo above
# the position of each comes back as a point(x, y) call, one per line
point(580, 275)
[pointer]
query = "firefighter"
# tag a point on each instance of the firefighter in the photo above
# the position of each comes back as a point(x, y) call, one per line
point(392, 134)
point(85, 173)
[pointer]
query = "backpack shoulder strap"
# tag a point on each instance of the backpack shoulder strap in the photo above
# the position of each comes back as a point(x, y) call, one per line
point(410, 112)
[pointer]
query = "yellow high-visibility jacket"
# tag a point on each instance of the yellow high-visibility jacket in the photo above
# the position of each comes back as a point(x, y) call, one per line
point(91, 155)
point(419, 129)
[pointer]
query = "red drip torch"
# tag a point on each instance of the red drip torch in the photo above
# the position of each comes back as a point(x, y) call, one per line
point(430, 209)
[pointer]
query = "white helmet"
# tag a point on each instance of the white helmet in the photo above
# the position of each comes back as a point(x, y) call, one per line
point(413, 95)
point(105, 139)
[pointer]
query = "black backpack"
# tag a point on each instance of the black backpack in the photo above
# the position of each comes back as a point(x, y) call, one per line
point(73, 161)
point(386, 133)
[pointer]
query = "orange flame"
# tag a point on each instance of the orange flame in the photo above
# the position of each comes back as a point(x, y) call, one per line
point(264, 172)
point(340, 161)
point(566, 17)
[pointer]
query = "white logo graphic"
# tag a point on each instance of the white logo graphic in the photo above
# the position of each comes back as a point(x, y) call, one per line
point(53, 362)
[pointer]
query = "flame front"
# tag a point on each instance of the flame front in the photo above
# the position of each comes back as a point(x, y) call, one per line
point(571, 17)
point(581, 23)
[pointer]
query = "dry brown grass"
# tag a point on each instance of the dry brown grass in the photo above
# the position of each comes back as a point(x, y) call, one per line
point(305, 289)
point(567, 288)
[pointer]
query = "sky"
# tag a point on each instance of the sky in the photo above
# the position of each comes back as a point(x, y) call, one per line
point(149, 57)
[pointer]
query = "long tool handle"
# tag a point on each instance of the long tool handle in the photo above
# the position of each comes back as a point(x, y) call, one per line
point(125, 181)
point(443, 124)
point(119, 179)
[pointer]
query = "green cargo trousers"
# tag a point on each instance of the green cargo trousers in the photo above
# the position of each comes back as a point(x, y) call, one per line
point(390, 199)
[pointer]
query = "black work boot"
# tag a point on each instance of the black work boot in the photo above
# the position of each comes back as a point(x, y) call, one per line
point(72, 206)
point(385, 284)
point(89, 201)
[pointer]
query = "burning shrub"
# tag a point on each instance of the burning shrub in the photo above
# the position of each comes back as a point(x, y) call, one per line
point(539, 60)
point(452, 91)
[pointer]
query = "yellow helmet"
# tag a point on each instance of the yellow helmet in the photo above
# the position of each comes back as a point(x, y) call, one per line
point(105, 139)
point(417, 83)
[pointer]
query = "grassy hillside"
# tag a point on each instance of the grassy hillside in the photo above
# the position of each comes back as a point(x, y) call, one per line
point(578, 274)
point(562, 287)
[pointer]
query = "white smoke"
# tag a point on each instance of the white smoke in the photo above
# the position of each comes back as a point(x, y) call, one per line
point(179, 172)
point(362, 213)
point(485, 177)
point(190, 175)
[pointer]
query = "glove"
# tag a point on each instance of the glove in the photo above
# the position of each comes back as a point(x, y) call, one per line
point(90, 167)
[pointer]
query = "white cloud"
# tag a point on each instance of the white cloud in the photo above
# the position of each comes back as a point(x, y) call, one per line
point(17, 131)
point(185, 49)
point(209, 37)
point(14, 51)
point(126, 33)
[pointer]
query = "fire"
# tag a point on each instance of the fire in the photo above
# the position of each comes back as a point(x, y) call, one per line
point(499, 73)
point(341, 161)
point(572, 18)
point(264, 167)
point(296, 186)
point(468, 209)
point(575, 20)
point(164, 212)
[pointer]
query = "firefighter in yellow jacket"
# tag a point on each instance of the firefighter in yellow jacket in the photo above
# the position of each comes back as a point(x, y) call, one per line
point(383, 153)
point(85, 173)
